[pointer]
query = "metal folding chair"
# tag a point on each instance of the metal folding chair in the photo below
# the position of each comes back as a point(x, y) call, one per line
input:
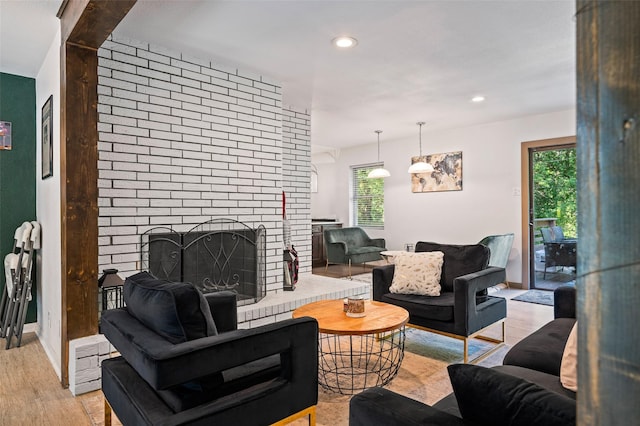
point(12, 274)
point(18, 271)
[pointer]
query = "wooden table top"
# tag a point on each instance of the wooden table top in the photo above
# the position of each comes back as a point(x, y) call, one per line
point(392, 253)
point(331, 319)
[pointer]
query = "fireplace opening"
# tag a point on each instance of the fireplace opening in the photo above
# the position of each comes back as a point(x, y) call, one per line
point(217, 255)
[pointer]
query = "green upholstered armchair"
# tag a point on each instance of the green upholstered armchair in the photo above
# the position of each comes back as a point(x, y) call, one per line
point(351, 245)
point(500, 247)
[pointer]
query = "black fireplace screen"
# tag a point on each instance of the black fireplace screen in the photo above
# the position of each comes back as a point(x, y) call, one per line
point(220, 254)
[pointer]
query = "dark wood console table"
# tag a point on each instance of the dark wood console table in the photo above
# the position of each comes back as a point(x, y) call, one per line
point(318, 257)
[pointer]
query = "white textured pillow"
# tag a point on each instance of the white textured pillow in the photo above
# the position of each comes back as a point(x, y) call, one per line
point(417, 273)
point(569, 364)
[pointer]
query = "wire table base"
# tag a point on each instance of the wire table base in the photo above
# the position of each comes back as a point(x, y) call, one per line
point(349, 364)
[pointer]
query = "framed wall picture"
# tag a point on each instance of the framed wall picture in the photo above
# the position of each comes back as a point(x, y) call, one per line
point(47, 138)
point(446, 175)
point(5, 135)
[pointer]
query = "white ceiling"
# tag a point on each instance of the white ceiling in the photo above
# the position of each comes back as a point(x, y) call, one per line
point(415, 60)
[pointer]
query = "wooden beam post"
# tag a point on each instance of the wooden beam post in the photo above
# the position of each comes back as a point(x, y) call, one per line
point(608, 146)
point(85, 26)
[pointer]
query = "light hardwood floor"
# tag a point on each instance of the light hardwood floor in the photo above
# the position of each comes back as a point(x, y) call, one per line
point(30, 393)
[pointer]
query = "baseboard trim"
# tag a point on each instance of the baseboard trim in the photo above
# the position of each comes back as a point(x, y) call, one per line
point(32, 327)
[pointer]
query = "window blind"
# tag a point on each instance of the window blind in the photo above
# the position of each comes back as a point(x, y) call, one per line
point(367, 197)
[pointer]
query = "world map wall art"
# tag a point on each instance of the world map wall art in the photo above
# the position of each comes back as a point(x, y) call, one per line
point(446, 174)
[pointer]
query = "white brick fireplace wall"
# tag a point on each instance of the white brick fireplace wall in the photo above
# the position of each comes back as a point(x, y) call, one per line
point(296, 181)
point(183, 140)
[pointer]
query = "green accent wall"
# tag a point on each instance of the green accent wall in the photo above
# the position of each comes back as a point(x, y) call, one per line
point(18, 165)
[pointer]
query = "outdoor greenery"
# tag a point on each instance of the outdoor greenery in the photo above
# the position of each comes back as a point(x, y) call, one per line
point(555, 190)
point(368, 198)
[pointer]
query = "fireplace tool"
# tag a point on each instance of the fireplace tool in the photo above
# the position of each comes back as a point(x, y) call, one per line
point(290, 255)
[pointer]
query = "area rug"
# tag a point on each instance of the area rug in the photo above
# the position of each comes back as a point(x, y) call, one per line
point(421, 377)
point(541, 297)
point(367, 277)
point(442, 348)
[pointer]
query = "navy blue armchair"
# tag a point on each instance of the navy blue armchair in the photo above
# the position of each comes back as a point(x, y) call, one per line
point(463, 309)
point(183, 360)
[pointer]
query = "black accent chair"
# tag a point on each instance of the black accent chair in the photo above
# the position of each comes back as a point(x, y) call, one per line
point(183, 360)
point(463, 309)
point(558, 250)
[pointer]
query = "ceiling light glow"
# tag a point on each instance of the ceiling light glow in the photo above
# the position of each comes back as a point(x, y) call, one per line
point(344, 42)
point(478, 98)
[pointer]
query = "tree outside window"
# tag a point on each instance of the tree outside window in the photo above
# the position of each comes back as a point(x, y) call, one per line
point(555, 191)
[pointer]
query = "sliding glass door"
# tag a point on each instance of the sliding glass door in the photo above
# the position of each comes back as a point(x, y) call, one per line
point(552, 215)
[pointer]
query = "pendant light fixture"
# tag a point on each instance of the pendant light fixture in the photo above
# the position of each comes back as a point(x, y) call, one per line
point(420, 166)
point(379, 172)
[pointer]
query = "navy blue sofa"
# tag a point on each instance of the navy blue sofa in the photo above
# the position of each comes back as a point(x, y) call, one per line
point(525, 390)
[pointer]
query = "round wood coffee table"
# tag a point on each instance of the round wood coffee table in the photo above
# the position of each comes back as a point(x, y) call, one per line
point(357, 353)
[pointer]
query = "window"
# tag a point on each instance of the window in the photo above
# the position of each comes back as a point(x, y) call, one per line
point(367, 197)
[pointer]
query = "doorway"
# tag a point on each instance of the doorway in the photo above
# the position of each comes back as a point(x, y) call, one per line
point(549, 213)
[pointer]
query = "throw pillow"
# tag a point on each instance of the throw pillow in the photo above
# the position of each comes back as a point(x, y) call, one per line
point(569, 364)
point(488, 397)
point(458, 260)
point(417, 273)
point(177, 311)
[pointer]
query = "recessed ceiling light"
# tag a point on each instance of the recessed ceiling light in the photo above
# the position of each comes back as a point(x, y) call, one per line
point(344, 42)
point(477, 99)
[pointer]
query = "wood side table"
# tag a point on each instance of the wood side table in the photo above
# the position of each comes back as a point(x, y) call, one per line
point(390, 254)
point(357, 353)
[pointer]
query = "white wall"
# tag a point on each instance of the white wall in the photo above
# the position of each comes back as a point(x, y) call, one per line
point(48, 212)
point(485, 206)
